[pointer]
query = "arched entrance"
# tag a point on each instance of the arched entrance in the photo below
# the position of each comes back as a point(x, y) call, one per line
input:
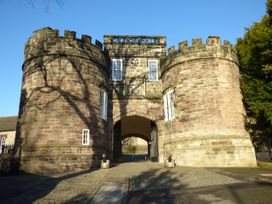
point(135, 126)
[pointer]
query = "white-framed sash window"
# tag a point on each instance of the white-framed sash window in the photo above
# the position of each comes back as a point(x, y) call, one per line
point(169, 109)
point(117, 69)
point(153, 70)
point(103, 104)
point(85, 136)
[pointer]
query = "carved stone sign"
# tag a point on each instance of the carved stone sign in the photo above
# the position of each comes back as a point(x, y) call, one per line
point(135, 87)
point(137, 39)
point(134, 61)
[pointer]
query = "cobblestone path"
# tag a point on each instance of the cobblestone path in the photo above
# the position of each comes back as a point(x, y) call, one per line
point(142, 182)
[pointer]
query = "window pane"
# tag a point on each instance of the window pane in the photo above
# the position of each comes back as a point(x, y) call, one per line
point(103, 104)
point(165, 107)
point(85, 136)
point(153, 70)
point(171, 105)
point(117, 69)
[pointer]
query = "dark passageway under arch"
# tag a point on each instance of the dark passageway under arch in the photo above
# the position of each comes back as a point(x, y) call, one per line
point(135, 126)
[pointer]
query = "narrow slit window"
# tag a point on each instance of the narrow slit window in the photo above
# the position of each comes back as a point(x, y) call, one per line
point(153, 70)
point(85, 137)
point(117, 69)
point(169, 109)
point(103, 104)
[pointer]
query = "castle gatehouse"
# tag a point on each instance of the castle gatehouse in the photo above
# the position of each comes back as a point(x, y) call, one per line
point(80, 99)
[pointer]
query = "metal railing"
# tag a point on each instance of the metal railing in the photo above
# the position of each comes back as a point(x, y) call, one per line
point(8, 164)
point(264, 156)
point(6, 149)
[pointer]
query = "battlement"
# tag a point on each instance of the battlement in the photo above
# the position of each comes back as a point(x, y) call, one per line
point(198, 50)
point(68, 34)
point(197, 43)
point(47, 41)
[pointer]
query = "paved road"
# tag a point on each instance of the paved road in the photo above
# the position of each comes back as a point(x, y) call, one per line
point(143, 182)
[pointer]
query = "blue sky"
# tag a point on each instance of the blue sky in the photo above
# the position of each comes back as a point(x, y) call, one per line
point(178, 20)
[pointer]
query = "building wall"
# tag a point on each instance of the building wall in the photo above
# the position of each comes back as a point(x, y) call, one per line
point(208, 128)
point(9, 137)
point(134, 145)
point(136, 94)
point(62, 78)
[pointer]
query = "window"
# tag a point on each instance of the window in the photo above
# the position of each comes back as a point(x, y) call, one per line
point(2, 143)
point(103, 104)
point(85, 136)
point(169, 111)
point(117, 69)
point(153, 70)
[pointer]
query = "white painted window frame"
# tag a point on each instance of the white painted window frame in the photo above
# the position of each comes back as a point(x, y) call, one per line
point(85, 136)
point(113, 69)
point(150, 71)
point(169, 108)
point(103, 104)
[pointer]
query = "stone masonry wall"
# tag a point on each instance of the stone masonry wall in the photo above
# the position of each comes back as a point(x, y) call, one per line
point(135, 95)
point(135, 91)
point(9, 137)
point(208, 128)
point(62, 77)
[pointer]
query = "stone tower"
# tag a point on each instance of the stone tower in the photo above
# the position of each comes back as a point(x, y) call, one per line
point(63, 78)
point(80, 101)
point(209, 117)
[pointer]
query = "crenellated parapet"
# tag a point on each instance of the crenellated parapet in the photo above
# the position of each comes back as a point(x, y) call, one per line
point(198, 50)
point(47, 41)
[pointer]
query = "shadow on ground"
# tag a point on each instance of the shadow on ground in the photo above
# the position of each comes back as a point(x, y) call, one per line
point(251, 190)
point(147, 183)
point(155, 186)
point(28, 188)
point(134, 158)
point(163, 186)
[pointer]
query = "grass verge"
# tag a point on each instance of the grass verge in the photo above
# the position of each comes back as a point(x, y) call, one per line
point(264, 164)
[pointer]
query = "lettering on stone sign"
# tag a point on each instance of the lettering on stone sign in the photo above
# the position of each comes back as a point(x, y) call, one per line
point(146, 40)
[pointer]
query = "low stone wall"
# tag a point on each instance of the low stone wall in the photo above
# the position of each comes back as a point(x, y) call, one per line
point(58, 159)
point(212, 151)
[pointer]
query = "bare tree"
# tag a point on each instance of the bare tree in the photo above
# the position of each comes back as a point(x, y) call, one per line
point(44, 4)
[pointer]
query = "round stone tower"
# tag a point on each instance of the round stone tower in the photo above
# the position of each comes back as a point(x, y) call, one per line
point(60, 124)
point(207, 125)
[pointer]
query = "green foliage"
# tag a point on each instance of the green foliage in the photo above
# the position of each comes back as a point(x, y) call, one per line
point(265, 164)
point(129, 146)
point(255, 54)
point(269, 8)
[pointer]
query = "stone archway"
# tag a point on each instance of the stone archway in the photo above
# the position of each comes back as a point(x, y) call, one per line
point(118, 116)
point(137, 126)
